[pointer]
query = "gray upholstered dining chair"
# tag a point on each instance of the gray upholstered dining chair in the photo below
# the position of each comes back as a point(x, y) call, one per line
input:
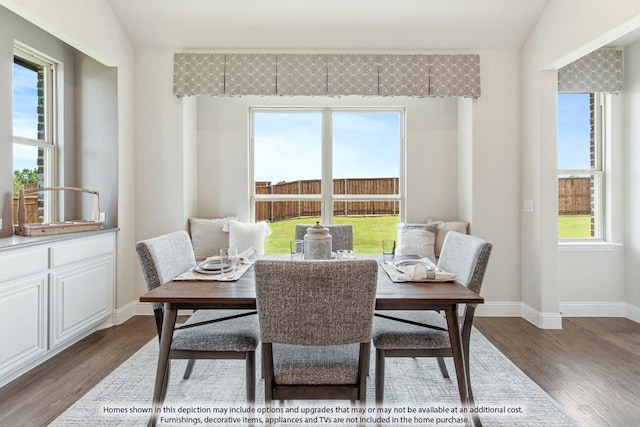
point(223, 334)
point(341, 235)
point(315, 326)
point(424, 333)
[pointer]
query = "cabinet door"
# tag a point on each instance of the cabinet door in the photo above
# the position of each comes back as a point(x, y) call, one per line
point(23, 316)
point(81, 298)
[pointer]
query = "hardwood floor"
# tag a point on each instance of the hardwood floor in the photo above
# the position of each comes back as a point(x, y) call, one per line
point(38, 397)
point(591, 367)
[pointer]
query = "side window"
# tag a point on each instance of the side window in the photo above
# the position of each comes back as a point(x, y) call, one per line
point(33, 132)
point(581, 118)
point(336, 166)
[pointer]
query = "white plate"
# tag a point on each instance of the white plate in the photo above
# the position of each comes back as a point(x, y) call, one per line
point(212, 265)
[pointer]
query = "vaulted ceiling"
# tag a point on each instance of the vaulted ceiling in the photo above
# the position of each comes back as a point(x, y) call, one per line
point(329, 25)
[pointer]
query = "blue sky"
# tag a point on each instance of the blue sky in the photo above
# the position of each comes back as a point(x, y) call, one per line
point(573, 131)
point(288, 146)
point(25, 115)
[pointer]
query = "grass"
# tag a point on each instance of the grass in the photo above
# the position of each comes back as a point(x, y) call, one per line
point(368, 232)
point(574, 226)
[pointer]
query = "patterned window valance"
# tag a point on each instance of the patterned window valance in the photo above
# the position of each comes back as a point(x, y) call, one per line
point(600, 71)
point(404, 75)
point(455, 75)
point(326, 74)
point(301, 74)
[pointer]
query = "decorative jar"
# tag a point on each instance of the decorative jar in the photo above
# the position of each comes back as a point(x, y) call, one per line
point(317, 243)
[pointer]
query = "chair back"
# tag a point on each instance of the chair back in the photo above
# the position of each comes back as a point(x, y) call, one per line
point(341, 235)
point(165, 257)
point(465, 256)
point(316, 302)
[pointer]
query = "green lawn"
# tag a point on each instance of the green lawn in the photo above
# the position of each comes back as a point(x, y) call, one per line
point(368, 232)
point(574, 226)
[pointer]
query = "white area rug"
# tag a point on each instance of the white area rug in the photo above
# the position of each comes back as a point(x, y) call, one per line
point(415, 394)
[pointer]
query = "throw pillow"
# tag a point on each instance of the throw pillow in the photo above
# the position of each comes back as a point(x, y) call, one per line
point(208, 236)
point(245, 235)
point(444, 227)
point(417, 239)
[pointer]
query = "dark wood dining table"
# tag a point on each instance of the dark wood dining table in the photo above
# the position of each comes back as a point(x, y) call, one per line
point(178, 294)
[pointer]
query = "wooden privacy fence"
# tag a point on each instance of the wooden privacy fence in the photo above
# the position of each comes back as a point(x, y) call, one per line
point(574, 196)
point(279, 210)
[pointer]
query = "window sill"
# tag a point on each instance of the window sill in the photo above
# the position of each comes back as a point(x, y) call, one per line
point(576, 246)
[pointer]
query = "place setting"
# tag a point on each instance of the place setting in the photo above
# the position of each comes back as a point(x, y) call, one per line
point(410, 268)
point(229, 266)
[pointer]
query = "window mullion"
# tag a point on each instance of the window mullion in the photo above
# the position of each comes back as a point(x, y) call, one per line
point(327, 167)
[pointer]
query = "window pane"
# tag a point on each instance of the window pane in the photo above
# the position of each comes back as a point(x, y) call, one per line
point(288, 160)
point(288, 149)
point(366, 160)
point(574, 131)
point(25, 101)
point(575, 204)
point(368, 230)
point(366, 145)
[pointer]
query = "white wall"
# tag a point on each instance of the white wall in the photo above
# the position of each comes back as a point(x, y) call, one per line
point(632, 167)
point(565, 31)
point(495, 179)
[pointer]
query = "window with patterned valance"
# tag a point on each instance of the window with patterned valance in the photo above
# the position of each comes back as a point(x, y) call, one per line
point(599, 71)
point(326, 75)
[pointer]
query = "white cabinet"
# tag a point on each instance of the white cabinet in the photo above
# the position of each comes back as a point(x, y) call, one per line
point(52, 294)
point(23, 316)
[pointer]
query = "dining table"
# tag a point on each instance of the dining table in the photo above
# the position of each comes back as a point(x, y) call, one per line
point(240, 294)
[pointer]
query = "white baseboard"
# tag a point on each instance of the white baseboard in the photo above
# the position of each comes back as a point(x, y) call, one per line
point(632, 312)
point(540, 319)
point(499, 309)
point(134, 308)
point(593, 309)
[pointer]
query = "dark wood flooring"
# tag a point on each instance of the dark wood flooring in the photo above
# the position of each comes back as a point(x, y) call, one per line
point(591, 367)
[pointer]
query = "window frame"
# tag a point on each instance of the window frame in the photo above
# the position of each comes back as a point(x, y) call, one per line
point(601, 116)
point(327, 197)
point(48, 144)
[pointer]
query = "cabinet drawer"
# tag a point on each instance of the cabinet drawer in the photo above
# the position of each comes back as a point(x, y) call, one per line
point(81, 249)
point(24, 262)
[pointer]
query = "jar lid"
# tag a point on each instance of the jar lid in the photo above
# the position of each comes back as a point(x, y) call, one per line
point(318, 229)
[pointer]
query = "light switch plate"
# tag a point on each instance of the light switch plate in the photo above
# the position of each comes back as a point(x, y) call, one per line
point(103, 217)
point(0, 223)
point(528, 205)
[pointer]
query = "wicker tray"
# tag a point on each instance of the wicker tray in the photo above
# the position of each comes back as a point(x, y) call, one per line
point(46, 229)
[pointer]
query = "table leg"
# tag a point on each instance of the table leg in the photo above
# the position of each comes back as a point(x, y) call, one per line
point(168, 325)
point(458, 358)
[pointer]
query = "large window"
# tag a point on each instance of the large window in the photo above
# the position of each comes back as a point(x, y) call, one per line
point(336, 166)
point(33, 131)
point(581, 138)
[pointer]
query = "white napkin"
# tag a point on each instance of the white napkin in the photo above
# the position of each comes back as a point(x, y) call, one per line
point(421, 273)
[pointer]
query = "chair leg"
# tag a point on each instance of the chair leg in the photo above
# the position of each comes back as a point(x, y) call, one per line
point(251, 377)
point(189, 369)
point(443, 367)
point(379, 377)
